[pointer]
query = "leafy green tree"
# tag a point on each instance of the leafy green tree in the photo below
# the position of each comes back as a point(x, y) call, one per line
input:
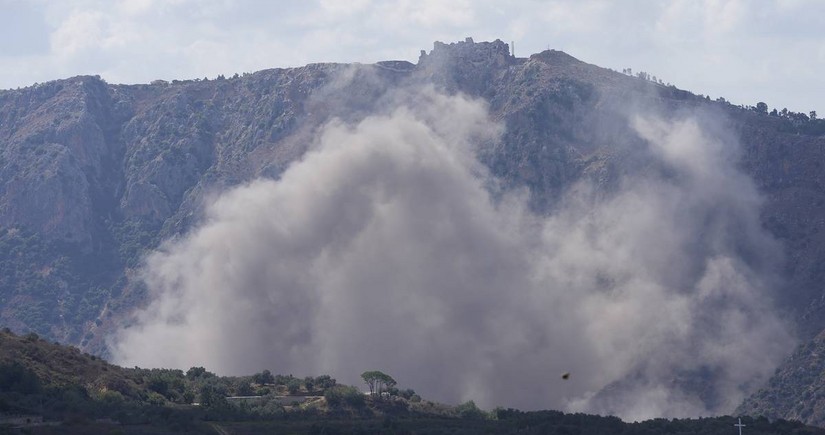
point(469, 410)
point(309, 383)
point(263, 378)
point(324, 382)
point(761, 107)
point(213, 396)
point(339, 395)
point(377, 382)
point(333, 397)
point(158, 384)
point(188, 397)
point(293, 385)
point(243, 388)
point(195, 372)
point(283, 379)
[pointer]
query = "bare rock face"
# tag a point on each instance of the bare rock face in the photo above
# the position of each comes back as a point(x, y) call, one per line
point(467, 61)
point(92, 174)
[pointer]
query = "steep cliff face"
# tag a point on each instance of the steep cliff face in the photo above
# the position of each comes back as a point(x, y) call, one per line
point(92, 174)
point(57, 154)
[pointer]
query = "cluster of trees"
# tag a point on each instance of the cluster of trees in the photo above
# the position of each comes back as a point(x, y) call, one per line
point(796, 122)
point(96, 390)
point(293, 385)
point(341, 395)
point(645, 76)
point(762, 108)
point(792, 122)
point(21, 392)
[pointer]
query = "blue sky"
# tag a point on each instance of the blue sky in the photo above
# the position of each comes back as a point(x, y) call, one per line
point(744, 50)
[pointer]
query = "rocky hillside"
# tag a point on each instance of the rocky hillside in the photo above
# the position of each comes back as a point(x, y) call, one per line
point(94, 174)
point(797, 390)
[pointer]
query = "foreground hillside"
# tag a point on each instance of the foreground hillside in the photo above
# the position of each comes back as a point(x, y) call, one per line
point(46, 388)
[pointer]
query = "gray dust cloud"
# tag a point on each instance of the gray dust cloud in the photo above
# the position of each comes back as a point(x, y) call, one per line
point(383, 248)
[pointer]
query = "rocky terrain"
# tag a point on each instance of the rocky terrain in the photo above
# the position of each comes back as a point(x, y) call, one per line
point(92, 175)
point(797, 390)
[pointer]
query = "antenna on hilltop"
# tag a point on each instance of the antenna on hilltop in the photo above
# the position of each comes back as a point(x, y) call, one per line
point(740, 426)
point(513, 48)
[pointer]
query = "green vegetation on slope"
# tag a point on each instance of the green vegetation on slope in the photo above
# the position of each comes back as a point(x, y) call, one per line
point(76, 392)
point(52, 283)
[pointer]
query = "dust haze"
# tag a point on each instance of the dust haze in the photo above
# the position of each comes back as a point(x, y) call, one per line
point(389, 246)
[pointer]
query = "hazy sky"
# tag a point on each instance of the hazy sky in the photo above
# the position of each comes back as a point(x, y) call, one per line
point(746, 51)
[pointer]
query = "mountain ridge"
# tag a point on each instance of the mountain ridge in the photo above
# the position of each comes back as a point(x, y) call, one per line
point(94, 175)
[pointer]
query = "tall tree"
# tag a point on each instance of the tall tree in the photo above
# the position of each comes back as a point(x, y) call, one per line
point(377, 382)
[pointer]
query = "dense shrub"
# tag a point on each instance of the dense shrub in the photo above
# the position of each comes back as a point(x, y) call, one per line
point(341, 395)
point(16, 378)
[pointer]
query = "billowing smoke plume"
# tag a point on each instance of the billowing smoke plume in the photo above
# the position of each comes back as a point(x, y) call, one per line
point(383, 248)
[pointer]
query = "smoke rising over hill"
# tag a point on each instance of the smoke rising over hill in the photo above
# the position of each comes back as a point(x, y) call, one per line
point(389, 246)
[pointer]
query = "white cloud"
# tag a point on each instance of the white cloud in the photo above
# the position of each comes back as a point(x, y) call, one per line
point(723, 16)
point(728, 48)
point(135, 7)
point(80, 31)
